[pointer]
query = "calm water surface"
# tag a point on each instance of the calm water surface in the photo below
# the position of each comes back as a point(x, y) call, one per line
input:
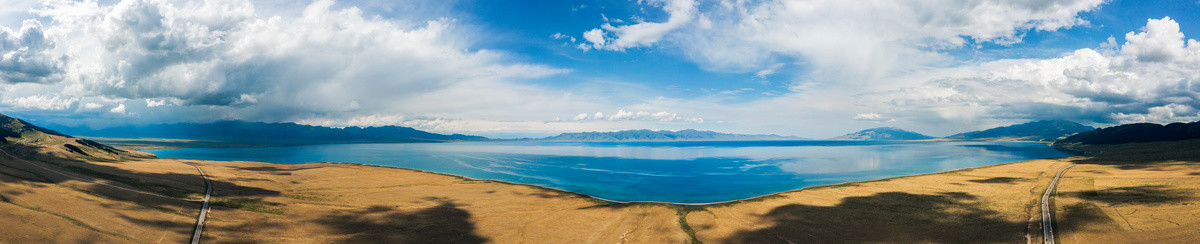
point(678, 172)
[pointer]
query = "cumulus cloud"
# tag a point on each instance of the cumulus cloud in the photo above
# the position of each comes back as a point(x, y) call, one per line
point(581, 116)
point(621, 115)
point(858, 39)
point(1149, 79)
point(326, 64)
point(223, 57)
point(119, 109)
point(873, 117)
point(1159, 41)
point(219, 53)
point(42, 102)
point(156, 103)
point(27, 56)
point(1162, 114)
point(357, 121)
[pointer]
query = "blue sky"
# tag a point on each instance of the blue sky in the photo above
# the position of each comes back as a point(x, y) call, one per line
point(531, 68)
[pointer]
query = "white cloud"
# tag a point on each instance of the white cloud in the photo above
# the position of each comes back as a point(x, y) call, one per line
point(156, 103)
point(581, 116)
point(768, 71)
point(120, 109)
point(847, 39)
point(873, 117)
point(331, 65)
point(225, 58)
point(358, 121)
point(560, 36)
point(26, 55)
point(1150, 79)
point(594, 36)
point(622, 115)
point(609, 37)
point(1161, 114)
point(42, 102)
point(1159, 41)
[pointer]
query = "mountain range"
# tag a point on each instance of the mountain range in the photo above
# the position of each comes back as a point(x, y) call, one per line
point(271, 133)
point(259, 133)
point(660, 135)
point(1044, 130)
point(1140, 132)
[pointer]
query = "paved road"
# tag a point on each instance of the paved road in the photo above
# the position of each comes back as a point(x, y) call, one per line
point(1047, 220)
point(203, 207)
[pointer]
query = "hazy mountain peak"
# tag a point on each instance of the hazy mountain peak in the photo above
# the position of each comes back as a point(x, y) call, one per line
point(883, 133)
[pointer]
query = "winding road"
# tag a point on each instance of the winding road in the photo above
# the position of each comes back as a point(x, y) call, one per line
point(1047, 219)
point(203, 207)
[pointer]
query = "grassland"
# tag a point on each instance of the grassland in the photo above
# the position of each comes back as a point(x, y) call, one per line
point(1130, 193)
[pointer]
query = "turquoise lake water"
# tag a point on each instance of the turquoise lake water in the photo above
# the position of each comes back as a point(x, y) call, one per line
point(677, 172)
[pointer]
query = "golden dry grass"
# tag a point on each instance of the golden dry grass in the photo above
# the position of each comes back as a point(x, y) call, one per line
point(1113, 200)
point(1132, 193)
point(989, 204)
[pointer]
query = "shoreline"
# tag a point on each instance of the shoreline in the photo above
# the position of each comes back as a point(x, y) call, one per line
point(607, 201)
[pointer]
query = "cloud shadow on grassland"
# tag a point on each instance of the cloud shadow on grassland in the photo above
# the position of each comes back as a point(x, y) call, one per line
point(950, 217)
point(444, 223)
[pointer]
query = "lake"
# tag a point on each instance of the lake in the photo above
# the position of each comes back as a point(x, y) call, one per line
point(676, 172)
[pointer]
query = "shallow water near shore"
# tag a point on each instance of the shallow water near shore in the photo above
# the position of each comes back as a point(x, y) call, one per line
point(676, 172)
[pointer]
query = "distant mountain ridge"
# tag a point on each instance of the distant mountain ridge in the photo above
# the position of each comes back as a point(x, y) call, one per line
point(1043, 130)
point(883, 133)
point(660, 135)
point(1140, 132)
point(272, 133)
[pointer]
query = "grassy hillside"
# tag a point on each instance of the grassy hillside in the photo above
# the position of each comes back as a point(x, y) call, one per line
point(1140, 132)
point(20, 137)
point(1044, 130)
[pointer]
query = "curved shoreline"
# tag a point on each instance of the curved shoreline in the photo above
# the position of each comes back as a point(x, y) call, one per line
point(607, 201)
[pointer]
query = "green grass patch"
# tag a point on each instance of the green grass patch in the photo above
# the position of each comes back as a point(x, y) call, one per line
point(683, 223)
point(309, 197)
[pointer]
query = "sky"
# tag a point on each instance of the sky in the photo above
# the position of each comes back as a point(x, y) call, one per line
point(809, 68)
